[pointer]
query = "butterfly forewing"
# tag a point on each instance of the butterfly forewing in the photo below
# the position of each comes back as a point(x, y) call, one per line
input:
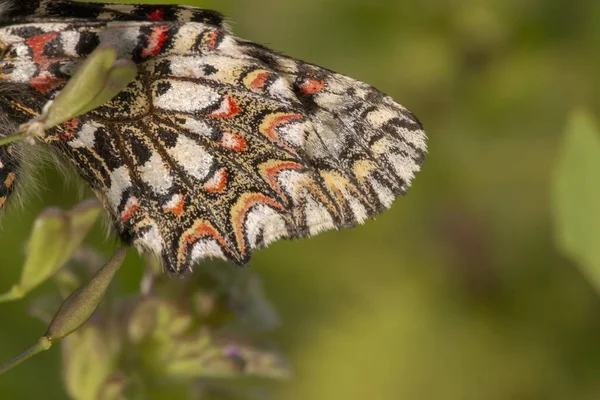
point(220, 146)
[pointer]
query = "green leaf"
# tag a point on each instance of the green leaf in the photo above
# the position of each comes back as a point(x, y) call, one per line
point(577, 195)
point(55, 236)
point(99, 79)
point(89, 360)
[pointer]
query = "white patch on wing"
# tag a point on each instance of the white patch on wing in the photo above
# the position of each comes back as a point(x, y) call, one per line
point(270, 222)
point(229, 46)
point(23, 68)
point(119, 182)
point(384, 194)
point(318, 218)
point(155, 173)
point(151, 240)
point(359, 211)
point(206, 248)
point(281, 90)
point(197, 126)
point(192, 157)
point(186, 97)
point(121, 35)
point(186, 37)
point(293, 132)
point(404, 166)
point(86, 136)
point(69, 40)
point(417, 138)
point(223, 69)
point(292, 182)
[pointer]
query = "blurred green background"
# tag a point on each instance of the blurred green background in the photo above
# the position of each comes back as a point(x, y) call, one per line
point(457, 292)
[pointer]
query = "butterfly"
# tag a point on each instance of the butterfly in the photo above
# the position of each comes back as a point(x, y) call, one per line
point(220, 146)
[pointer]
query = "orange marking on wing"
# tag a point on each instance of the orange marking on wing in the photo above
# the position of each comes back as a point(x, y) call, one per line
point(178, 208)
point(217, 183)
point(273, 121)
point(2, 200)
point(312, 86)
point(69, 129)
point(130, 208)
point(23, 109)
point(9, 179)
point(46, 82)
point(156, 40)
point(229, 108)
point(260, 80)
point(240, 210)
point(199, 230)
point(233, 141)
point(272, 168)
point(334, 181)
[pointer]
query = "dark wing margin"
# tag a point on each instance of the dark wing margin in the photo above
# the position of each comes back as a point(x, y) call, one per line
point(30, 10)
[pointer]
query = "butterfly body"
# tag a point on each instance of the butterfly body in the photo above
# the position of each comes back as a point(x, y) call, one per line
point(219, 146)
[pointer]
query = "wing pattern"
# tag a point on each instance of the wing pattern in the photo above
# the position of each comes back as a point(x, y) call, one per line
point(220, 146)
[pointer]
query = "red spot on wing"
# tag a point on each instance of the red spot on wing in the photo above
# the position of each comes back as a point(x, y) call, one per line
point(240, 211)
point(210, 39)
point(69, 129)
point(260, 80)
point(37, 44)
point(156, 41)
point(157, 15)
point(217, 183)
point(130, 208)
point(312, 86)
point(45, 81)
point(228, 109)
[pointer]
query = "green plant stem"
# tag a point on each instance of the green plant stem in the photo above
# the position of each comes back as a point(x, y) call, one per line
point(42, 345)
point(13, 138)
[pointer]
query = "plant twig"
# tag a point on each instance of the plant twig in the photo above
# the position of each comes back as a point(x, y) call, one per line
point(42, 345)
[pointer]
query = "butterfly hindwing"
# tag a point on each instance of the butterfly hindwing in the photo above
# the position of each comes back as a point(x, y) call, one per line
point(220, 146)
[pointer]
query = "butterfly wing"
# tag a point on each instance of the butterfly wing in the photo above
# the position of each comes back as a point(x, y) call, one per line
point(47, 10)
point(221, 146)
